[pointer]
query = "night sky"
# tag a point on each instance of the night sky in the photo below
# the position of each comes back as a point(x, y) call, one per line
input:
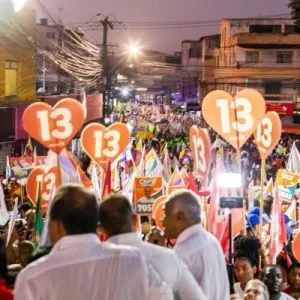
point(163, 11)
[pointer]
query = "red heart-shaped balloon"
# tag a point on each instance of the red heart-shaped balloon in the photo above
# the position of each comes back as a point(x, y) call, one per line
point(54, 127)
point(105, 144)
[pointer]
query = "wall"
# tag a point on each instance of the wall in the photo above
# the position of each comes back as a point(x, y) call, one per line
point(17, 38)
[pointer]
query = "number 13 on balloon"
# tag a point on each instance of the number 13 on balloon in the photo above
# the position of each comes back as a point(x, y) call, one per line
point(105, 144)
point(268, 133)
point(201, 151)
point(234, 119)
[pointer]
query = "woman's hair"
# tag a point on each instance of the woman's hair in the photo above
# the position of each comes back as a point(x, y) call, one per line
point(248, 247)
point(3, 263)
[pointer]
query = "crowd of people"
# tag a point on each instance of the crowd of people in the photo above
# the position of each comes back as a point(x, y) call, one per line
point(104, 250)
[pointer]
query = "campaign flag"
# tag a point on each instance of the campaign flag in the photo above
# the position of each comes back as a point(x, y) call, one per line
point(69, 168)
point(95, 183)
point(166, 172)
point(154, 166)
point(176, 179)
point(146, 190)
point(4, 216)
point(293, 164)
point(291, 211)
point(8, 169)
point(278, 229)
point(138, 152)
point(286, 184)
point(12, 221)
point(38, 220)
point(128, 188)
point(45, 240)
point(107, 182)
point(28, 151)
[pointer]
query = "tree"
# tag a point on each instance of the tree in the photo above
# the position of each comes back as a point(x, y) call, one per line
point(294, 5)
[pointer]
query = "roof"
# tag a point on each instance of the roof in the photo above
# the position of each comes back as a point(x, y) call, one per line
point(256, 19)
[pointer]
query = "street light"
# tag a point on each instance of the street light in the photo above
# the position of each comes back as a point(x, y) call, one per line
point(18, 4)
point(134, 49)
point(125, 91)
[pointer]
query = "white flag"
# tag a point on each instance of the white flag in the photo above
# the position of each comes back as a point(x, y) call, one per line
point(293, 164)
point(45, 240)
point(4, 216)
point(12, 221)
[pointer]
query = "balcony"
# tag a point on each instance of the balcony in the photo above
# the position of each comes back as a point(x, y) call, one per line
point(266, 40)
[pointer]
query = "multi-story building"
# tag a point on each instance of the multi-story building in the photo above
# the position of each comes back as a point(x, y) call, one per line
point(191, 68)
point(198, 64)
point(263, 54)
point(17, 70)
point(208, 45)
point(64, 59)
point(17, 57)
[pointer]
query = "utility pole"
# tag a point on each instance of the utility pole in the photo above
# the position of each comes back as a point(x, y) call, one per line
point(44, 74)
point(105, 79)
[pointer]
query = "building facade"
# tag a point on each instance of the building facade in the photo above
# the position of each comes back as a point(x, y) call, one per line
point(191, 69)
point(198, 66)
point(263, 54)
point(17, 71)
point(17, 57)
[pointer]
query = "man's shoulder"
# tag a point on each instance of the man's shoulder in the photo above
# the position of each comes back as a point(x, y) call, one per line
point(159, 251)
point(100, 252)
point(285, 296)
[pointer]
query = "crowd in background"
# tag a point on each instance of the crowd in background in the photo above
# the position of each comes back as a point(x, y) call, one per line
point(253, 276)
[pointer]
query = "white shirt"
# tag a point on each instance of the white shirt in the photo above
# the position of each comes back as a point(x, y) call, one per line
point(80, 267)
point(238, 290)
point(203, 255)
point(284, 296)
point(170, 268)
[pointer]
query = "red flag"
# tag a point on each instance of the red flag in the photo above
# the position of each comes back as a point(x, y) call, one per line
point(218, 218)
point(278, 229)
point(107, 182)
point(192, 184)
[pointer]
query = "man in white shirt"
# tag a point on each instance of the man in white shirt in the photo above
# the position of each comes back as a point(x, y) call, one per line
point(79, 266)
point(273, 279)
point(199, 249)
point(118, 221)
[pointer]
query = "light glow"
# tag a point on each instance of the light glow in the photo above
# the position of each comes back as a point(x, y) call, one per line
point(18, 4)
point(229, 180)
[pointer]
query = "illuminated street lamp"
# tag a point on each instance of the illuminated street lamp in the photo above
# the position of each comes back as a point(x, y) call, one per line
point(134, 49)
point(18, 4)
point(125, 91)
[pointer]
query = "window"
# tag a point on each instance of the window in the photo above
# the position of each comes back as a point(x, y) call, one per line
point(291, 29)
point(195, 51)
point(50, 35)
point(284, 57)
point(252, 57)
point(265, 28)
point(273, 88)
point(11, 76)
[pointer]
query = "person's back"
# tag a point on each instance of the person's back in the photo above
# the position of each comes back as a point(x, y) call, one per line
point(79, 266)
point(83, 268)
point(118, 221)
point(202, 253)
point(199, 249)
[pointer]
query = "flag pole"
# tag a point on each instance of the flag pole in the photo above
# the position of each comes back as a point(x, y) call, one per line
point(262, 180)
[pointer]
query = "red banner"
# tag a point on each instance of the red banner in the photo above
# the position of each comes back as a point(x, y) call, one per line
point(281, 107)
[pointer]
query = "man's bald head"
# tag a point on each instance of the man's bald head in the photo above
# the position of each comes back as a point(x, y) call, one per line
point(76, 209)
point(116, 215)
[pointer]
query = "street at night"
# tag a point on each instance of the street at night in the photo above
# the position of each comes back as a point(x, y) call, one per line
point(149, 150)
